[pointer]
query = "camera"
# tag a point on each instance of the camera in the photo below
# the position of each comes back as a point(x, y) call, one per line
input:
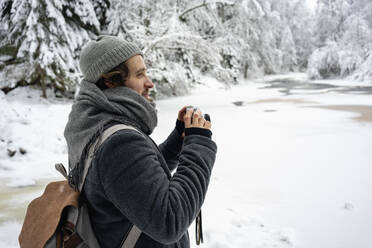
point(188, 108)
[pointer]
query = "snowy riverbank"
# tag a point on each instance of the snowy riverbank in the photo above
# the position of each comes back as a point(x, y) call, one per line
point(293, 169)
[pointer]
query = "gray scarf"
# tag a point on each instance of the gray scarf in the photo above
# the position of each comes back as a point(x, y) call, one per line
point(93, 110)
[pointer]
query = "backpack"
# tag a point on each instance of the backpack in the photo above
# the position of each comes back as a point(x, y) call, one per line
point(60, 218)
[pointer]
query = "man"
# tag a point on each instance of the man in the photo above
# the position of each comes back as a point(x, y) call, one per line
point(129, 182)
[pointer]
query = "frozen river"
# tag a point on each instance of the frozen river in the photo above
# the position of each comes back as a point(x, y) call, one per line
point(293, 167)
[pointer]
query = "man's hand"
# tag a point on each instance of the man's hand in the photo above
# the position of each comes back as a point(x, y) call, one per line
point(181, 113)
point(197, 119)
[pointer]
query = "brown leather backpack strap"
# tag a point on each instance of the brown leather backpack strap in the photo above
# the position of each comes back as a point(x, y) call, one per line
point(73, 241)
point(71, 238)
point(59, 238)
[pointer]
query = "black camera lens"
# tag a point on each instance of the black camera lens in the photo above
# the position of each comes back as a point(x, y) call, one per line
point(207, 117)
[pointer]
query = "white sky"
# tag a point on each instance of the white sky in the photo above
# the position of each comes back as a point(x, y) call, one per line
point(311, 4)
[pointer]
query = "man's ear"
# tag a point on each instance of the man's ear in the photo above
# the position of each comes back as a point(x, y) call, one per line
point(109, 84)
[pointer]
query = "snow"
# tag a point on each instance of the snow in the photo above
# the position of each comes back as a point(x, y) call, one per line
point(289, 172)
point(21, 182)
point(9, 234)
point(311, 4)
point(35, 125)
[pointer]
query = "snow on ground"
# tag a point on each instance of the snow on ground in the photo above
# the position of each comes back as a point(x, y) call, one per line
point(288, 173)
point(34, 125)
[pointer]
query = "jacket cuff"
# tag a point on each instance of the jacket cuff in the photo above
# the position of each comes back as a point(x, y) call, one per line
point(198, 131)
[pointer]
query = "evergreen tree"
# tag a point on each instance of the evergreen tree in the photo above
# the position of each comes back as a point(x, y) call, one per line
point(41, 41)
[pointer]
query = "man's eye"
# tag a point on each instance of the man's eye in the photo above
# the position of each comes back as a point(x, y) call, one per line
point(141, 75)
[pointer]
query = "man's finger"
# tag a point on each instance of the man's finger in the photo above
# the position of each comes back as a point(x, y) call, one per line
point(181, 113)
point(208, 125)
point(195, 118)
point(201, 122)
point(187, 118)
point(198, 112)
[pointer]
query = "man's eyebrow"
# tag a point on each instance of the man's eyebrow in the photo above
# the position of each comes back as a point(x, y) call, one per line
point(140, 70)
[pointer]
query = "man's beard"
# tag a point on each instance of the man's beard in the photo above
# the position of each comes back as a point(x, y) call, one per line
point(147, 96)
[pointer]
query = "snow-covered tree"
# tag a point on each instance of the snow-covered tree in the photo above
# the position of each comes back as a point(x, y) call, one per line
point(344, 37)
point(41, 41)
point(299, 20)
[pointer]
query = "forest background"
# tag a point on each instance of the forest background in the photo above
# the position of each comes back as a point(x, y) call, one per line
point(40, 40)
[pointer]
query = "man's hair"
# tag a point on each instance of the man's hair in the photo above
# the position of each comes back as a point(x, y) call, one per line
point(117, 76)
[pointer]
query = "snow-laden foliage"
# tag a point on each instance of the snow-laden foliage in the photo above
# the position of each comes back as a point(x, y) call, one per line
point(344, 37)
point(296, 42)
point(41, 40)
point(364, 72)
point(324, 61)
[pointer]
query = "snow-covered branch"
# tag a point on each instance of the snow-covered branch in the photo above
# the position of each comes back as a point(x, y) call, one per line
point(204, 4)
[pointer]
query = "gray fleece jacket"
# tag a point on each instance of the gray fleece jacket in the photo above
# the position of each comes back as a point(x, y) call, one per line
point(130, 182)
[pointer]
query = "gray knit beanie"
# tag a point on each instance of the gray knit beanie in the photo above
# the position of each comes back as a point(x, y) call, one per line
point(101, 55)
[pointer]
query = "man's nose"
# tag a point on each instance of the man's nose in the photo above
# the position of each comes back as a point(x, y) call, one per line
point(149, 83)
